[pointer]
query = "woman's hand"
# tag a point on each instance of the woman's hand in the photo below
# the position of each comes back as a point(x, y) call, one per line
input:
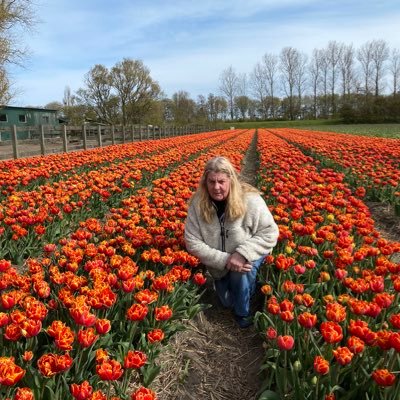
point(236, 262)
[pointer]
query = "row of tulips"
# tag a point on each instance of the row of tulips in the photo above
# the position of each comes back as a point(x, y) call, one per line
point(369, 163)
point(89, 316)
point(51, 210)
point(331, 320)
point(19, 174)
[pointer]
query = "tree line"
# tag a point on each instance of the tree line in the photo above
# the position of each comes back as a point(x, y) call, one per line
point(338, 81)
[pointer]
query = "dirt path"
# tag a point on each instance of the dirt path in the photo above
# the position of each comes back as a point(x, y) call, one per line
point(214, 359)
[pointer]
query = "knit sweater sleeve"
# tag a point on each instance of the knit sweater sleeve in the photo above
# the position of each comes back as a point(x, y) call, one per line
point(196, 245)
point(264, 230)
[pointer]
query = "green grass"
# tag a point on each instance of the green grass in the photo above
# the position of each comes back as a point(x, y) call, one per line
point(280, 124)
point(378, 130)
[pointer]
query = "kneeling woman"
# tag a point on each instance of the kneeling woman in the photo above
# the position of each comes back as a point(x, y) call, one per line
point(230, 229)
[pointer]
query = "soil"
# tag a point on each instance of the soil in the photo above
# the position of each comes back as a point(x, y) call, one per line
point(214, 359)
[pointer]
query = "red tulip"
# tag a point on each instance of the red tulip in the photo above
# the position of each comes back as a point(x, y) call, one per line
point(285, 342)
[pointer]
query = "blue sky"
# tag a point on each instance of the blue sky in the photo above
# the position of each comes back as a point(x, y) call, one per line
point(185, 44)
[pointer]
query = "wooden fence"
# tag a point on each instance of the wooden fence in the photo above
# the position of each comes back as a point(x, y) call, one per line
point(46, 139)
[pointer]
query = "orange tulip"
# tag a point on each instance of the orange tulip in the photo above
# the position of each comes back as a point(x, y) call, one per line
point(81, 392)
point(155, 335)
point(321, 366)
point(135, 359)
point(343, 355)
point(86, 337)
point(163, 313)
point(110, 370)
point(24, 394)
point(143, 394)
point(383, 377)
point(137, 312)
point(355, 344)
point(103, 326)
point(307, 320)
point(335, 312)
point(10, 373)
point(331, 332)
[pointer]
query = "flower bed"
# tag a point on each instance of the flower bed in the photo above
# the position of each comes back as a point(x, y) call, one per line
point(331, 317)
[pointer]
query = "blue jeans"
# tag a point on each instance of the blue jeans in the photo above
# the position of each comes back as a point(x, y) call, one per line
point(235, 289)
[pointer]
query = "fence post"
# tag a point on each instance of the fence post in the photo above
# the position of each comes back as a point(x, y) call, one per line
point(84, 137)
point(154, 132)
point(132, 133)
point(64, 138)
point(148, 132)
point(140, 132)
point(42, 149)
point(113, 134)
point(14, 138)
point(123, 134)
point(99, 136)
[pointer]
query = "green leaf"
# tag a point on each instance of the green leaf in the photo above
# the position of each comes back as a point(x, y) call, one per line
point(149, 373)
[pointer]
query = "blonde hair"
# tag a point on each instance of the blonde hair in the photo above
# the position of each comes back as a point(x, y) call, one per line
point(235, 204)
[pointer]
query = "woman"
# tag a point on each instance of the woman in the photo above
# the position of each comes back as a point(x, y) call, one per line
point(230, 229)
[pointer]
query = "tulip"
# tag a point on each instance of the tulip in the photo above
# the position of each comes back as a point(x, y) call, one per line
point(143, 394)
point(383, 377)
point(163, 313)
point(343, 355)
point(81, 392)
point(331, 332)
point(155, 335)
point(10, 373)
point(285, 342)
point(137, 312)
point(321, 366)
point(110, 370)
point(24, 393)
point(135, 359)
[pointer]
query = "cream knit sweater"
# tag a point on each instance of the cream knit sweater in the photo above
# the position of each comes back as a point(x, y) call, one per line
point(253, 235)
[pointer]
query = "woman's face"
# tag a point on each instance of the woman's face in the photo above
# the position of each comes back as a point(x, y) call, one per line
point(218, 185)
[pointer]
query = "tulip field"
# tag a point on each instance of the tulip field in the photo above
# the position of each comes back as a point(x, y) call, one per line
point(95, 278)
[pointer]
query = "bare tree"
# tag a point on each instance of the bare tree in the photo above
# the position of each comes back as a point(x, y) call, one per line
point(347, 69)
point(380, 53)
point(315, 72)
point(242, 85)
point(229, 86)
point(301, 78)
point(5, 93)
point(291, 65)
point(259, 85)
point(395, 69)
point(364, 56)
point(334, 53)
point(270, 62)
point(68, 99)
point(14, 16)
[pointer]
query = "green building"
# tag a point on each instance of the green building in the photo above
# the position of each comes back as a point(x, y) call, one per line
point(26, 119)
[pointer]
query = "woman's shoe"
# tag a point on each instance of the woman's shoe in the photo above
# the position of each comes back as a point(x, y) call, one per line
point(244, 322)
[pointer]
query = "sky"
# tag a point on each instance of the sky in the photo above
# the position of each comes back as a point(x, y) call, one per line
point(187, 44)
